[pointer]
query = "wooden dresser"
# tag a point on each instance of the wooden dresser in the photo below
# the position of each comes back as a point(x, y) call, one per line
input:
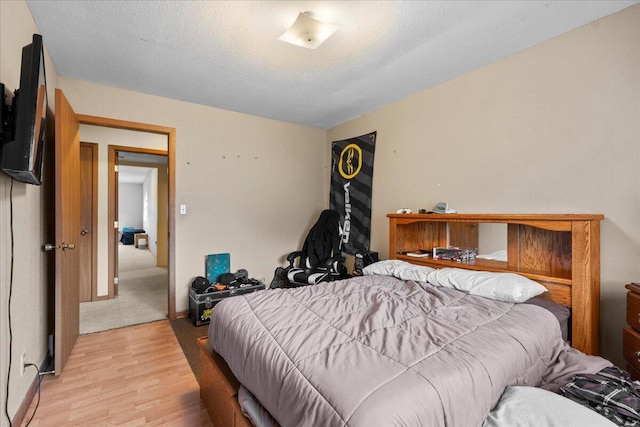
point(631, 332)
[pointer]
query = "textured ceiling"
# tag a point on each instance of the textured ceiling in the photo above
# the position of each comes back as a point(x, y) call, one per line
point(136, 174)
point(133, 174)
point(226, 54)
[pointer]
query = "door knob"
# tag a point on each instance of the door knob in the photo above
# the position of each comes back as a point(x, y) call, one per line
point(68, 246)
point(83, 232)
point(49, 247)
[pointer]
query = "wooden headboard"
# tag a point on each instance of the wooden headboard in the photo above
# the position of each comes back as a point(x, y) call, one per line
point(562, 252)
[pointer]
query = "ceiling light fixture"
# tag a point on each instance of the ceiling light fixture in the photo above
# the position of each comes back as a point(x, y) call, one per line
point(308, 31)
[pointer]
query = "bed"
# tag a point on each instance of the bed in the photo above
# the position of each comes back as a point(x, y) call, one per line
point(128, 235)
point(372, 350)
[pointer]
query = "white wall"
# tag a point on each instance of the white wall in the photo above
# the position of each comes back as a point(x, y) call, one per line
point(252, 186)
point(150, 216)
point(553, 129)
point(29, 296)
point(130, 205)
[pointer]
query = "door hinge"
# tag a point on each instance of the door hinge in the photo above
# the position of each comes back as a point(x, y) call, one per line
point(115, 224)
point(115, 280)
point(115, 168)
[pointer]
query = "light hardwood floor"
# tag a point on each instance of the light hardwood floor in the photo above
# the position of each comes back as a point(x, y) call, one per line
point(130, 376)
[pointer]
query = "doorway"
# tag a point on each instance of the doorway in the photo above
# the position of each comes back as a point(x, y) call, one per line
point(67, 222)
point(139, 198)
point(145, 140)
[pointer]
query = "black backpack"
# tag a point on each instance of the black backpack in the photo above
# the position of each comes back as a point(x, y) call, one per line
point(279, 279)
point(323, 240)
point(200, 284)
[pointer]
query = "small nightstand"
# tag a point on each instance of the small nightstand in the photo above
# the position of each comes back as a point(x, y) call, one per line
point(631, 332)
point(138, 236)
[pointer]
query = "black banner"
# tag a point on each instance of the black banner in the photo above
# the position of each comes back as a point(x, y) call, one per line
point(351, 179)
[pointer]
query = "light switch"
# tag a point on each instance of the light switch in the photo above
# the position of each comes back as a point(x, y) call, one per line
point(183, 209)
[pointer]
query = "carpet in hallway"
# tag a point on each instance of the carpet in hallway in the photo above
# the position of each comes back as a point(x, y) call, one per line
point(142, 295)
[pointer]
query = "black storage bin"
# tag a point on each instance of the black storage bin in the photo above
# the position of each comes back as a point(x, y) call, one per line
point(201, 305)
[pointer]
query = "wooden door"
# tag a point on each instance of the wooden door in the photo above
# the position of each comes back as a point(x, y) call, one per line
point(67, 213)
point(87, 243)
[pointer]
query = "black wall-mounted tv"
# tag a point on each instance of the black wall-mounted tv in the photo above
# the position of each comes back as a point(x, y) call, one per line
point(6, 125)
point(22, 155)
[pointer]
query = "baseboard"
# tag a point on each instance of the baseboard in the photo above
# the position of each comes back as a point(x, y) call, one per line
point(21, 413)
point(182, 314)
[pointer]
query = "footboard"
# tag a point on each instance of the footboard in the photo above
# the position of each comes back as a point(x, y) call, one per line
point(219, 389)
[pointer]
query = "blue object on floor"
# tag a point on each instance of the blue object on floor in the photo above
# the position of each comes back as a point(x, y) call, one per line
point(127, 236)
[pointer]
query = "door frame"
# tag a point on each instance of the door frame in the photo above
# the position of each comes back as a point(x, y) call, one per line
point(113, 191)
point(162, 257)
point(170, 133)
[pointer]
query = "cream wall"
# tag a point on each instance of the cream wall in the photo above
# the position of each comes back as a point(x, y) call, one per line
point(252, 186)
point(29, 296)
point(105, 137)
point(553, 129)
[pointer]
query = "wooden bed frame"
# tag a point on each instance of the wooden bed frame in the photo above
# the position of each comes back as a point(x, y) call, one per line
point(562, 252)
point(219, 389)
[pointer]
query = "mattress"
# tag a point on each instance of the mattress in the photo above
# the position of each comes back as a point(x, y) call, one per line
point(377, 350)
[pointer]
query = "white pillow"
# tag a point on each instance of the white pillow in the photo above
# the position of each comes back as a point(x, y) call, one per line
point(532, 407)
point(509, 287)
point(402, 270)
point(385, 268)
point(417, 273)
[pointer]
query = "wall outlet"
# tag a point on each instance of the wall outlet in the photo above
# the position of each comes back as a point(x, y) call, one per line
point(23, 360)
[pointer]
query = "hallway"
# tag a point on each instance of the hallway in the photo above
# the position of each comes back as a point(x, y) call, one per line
point(142, 298)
